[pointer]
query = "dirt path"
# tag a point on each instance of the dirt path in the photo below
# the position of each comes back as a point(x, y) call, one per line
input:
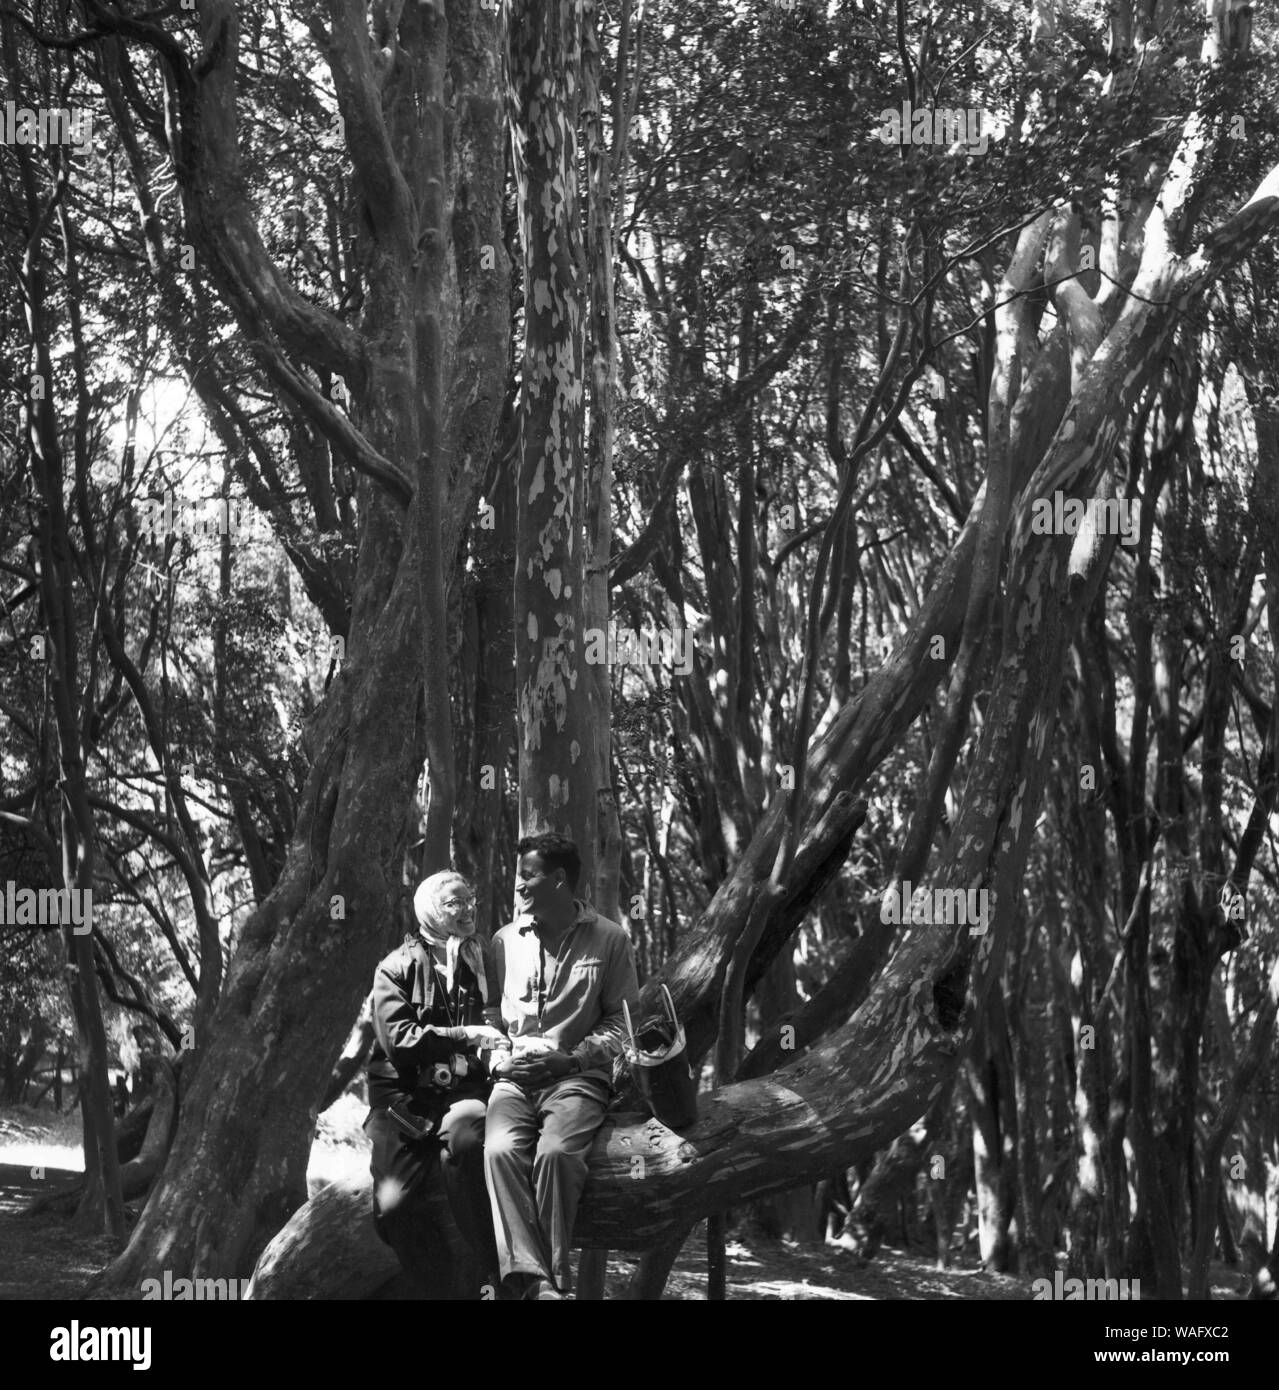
point(42, 1256)
point(781, 1271)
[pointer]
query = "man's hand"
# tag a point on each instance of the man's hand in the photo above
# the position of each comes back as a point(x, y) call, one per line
point(535, 1069)
point(482, 1033)
point(556, 1064)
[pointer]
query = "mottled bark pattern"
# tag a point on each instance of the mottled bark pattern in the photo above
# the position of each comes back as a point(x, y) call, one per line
point(558, 760)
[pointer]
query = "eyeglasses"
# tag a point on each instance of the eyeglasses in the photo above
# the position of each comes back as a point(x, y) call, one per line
point(458, 902)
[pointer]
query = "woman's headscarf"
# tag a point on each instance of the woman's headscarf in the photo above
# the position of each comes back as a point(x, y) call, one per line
point(428, 909)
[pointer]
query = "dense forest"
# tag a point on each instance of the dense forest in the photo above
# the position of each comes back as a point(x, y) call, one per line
point(823, 457)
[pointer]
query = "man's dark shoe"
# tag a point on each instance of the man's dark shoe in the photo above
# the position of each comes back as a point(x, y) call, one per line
point(518, 1286)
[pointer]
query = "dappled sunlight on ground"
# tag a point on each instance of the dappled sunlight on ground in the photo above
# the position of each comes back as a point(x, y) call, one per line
point(45, 1258)
point(784, 1270)
point(40, 1138)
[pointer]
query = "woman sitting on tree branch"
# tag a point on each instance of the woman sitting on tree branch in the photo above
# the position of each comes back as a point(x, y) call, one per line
point(429, 1082)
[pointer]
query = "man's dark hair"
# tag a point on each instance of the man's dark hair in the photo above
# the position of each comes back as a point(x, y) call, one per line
point(556, 852)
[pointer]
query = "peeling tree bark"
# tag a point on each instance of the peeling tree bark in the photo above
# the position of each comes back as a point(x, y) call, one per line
point(558, 731)
point(601, 251)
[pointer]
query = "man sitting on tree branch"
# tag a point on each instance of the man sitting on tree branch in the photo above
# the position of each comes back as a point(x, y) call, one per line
point(563, 973)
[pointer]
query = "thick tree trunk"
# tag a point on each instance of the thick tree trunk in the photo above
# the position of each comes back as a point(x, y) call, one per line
point(434, 334)
point(488, 695)
point(239, 1157)
point(601, 253)
point(558, 729)
point(993, 1211)
point(354, 1055)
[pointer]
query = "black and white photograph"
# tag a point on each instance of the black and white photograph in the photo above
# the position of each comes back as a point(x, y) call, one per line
point(639, 661)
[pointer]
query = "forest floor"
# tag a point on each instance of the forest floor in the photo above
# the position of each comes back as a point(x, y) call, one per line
point(44, 1258)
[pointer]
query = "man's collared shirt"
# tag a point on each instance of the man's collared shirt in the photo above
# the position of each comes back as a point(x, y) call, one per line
point(582, 993)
